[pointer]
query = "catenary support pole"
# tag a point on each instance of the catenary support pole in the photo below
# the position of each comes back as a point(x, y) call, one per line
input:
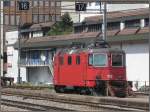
point(2, 38)
point(1, 44)
point(104, 22)
point(19, 49)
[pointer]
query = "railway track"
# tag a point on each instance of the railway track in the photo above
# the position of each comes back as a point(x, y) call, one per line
point(94, 105)
point(39, 107)
point(30, 106)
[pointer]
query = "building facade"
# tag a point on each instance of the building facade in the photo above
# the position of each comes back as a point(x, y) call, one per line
point(69, 7)
point(40, 11)
point(129, 33)
point(117, 20)
point(95, 8)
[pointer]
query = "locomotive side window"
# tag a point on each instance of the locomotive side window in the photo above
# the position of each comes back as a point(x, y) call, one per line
point(69, 60)
point(90, 59)
point(117, 59)
point(78, 60)
point(100, 60)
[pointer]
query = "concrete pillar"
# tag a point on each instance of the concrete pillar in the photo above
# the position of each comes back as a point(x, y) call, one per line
point(102, 27)
point(122, 25)
point(30, 36)
point(142, 23)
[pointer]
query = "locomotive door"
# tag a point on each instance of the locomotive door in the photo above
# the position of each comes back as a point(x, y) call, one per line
point(84, 68)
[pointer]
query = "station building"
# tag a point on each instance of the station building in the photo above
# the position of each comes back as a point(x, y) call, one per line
point(95, 8)
point(127, 30)
point(40, 11)
point(43, 14)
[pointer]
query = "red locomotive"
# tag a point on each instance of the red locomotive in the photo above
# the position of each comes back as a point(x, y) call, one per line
point(91, 70)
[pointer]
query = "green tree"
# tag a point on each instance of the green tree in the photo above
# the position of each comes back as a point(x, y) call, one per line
point(65, 26)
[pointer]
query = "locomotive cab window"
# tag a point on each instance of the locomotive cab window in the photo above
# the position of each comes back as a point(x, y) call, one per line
point(69, 60)
point(90, 59)
point(98, 59)
point(117, 60)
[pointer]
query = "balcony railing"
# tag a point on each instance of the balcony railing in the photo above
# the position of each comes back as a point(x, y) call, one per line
point(35, 62)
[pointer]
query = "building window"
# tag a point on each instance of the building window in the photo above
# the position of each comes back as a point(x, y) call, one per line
point(113, 25)
point(90, 3)
point(41, 18)
point(97, 3)
point(35, 18)
point(17, 19)
point(58, 4)
point(46, 18)
point(52, 4)
point(147, 22)
point(132, 23)
point(47, 3)
point(12, 3)
point(41, 3)
point(35, 3)
point(12, 19)
point(69, 60)
point(53, 18)
point(6, 3)
point(58, 17)
point(5, 57)
point(6, 19)
point(93, 28)
point(78, 60)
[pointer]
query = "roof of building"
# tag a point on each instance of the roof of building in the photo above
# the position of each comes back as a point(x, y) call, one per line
point(41, 25)
point(118, 15)
point(37, 27)
point(132, 34)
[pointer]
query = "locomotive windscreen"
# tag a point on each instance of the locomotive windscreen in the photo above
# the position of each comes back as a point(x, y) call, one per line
point(98, 59)
point(117, 59)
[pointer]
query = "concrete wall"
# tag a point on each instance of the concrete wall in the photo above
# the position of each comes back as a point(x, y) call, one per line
point(137, 61)
point(39, 75)
point(12, 57)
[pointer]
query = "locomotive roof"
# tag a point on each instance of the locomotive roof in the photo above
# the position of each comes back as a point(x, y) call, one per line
point(92, 50)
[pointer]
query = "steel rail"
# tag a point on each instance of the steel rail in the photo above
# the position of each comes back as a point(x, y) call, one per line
point(76, 102)
point(30, 106)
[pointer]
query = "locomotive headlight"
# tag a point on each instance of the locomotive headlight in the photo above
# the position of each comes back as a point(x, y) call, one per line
point(109, 76)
